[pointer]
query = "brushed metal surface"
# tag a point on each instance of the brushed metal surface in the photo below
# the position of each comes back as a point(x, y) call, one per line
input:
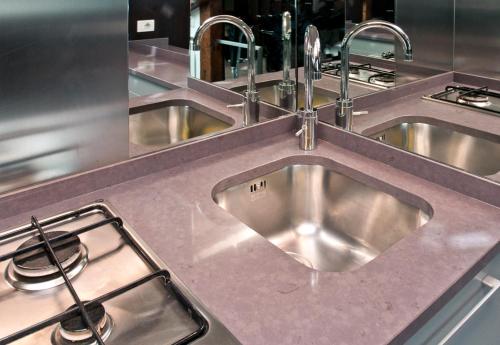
point(477, 32)
point(63, 88)
point(323, 219)
point(270, 93)
point(471, 152)
point(430, 24)
point(172, 124)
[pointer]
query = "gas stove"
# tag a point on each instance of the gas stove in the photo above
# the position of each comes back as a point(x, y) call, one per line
point(476, 98)
point(84, 277)
point(364, 73)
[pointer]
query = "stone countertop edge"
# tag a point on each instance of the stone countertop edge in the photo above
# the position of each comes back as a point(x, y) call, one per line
point(36, 196)
point(278, 291)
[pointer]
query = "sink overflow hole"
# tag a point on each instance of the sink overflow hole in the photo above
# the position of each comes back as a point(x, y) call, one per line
point(258, 186)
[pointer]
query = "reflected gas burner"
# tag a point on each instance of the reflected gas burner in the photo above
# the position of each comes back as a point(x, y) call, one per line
point(74, 331)
point(34, 271)
point(475, 98)
point(383, 79)
point(364, 73)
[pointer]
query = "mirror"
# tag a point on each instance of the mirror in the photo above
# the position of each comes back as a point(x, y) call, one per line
point(223, 59)
point(455, 119)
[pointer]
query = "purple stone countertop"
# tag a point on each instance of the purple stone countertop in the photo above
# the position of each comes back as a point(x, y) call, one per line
point(262, 295)
point(171, 72)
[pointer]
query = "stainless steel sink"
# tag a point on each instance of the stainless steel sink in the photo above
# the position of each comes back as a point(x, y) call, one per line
point(268, 92)
point(139, 86)
point(173, 123)
point(476, 152)
point(323, 219)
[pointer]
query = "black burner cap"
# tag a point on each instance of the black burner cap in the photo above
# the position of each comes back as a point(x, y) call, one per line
point(77, 324)
point(39, 259)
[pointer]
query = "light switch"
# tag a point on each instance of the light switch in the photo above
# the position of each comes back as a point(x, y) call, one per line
point(147, 25)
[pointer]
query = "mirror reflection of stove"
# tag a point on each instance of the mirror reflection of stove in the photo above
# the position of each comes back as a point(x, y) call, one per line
point(82, 278)
point(480, 98)
point(364, 73)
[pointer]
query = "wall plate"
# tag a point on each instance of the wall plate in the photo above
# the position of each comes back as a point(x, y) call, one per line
point(147, 25)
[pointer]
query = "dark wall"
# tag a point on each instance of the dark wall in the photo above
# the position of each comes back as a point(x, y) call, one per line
point(171, 20)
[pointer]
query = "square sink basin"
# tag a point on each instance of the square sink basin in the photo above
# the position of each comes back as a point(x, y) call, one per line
point(324, 219)
point(174, 122)
point(471, 150)
point(269, 92)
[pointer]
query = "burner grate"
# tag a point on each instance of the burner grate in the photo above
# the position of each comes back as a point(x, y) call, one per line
point(81, 308)
point(480, 98)
point(369, 75)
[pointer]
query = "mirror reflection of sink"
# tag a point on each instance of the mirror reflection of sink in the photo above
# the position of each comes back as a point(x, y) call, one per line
point(138, 86)
point(268, 92)
point(476, 152)
point(173, 122)
point(323, 219)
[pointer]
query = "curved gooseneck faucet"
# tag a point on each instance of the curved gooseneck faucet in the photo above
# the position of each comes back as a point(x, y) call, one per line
point(312, 71)
point(251, 103)
point(344, 112)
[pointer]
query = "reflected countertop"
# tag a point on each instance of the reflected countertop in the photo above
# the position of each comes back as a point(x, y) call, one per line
point(157, 66)
point(262, 295)
point(414, 107)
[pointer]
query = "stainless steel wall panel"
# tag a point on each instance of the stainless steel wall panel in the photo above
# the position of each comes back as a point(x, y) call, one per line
point(477, 37)
point(63, 88)
point(430, 25)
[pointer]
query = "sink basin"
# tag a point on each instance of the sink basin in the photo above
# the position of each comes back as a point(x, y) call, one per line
point(476, 152)
point(268, 92)
point(138, 86)
point(323, 219)
point(172, 123)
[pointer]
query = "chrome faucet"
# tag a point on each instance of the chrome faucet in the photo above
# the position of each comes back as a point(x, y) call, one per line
point(344, 112)
point(251, 97)
point(286, 87)
point(312, 71)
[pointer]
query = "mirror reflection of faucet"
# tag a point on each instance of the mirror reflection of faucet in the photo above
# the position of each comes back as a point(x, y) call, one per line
point(344, 110)
point(250, 104)
point(286, 88)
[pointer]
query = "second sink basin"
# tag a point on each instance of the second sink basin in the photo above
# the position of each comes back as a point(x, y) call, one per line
point(268, 92)
point(173, 122)
point(475, 151)
point(322, 218)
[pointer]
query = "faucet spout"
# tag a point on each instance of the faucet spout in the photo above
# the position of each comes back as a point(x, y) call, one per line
point(312, 71)
point(251, 104)
point(343, 116)
point(312, 63)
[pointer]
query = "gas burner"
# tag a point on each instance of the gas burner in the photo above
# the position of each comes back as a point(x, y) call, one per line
point(353, 71)
point(34, 271)
point(74, 331)
point(382, 79)
point(475, 99)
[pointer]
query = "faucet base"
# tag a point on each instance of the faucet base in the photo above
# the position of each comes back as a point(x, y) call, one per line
point(308, 138)
point(251, 108)
point(287, 95)
point(343, 113)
